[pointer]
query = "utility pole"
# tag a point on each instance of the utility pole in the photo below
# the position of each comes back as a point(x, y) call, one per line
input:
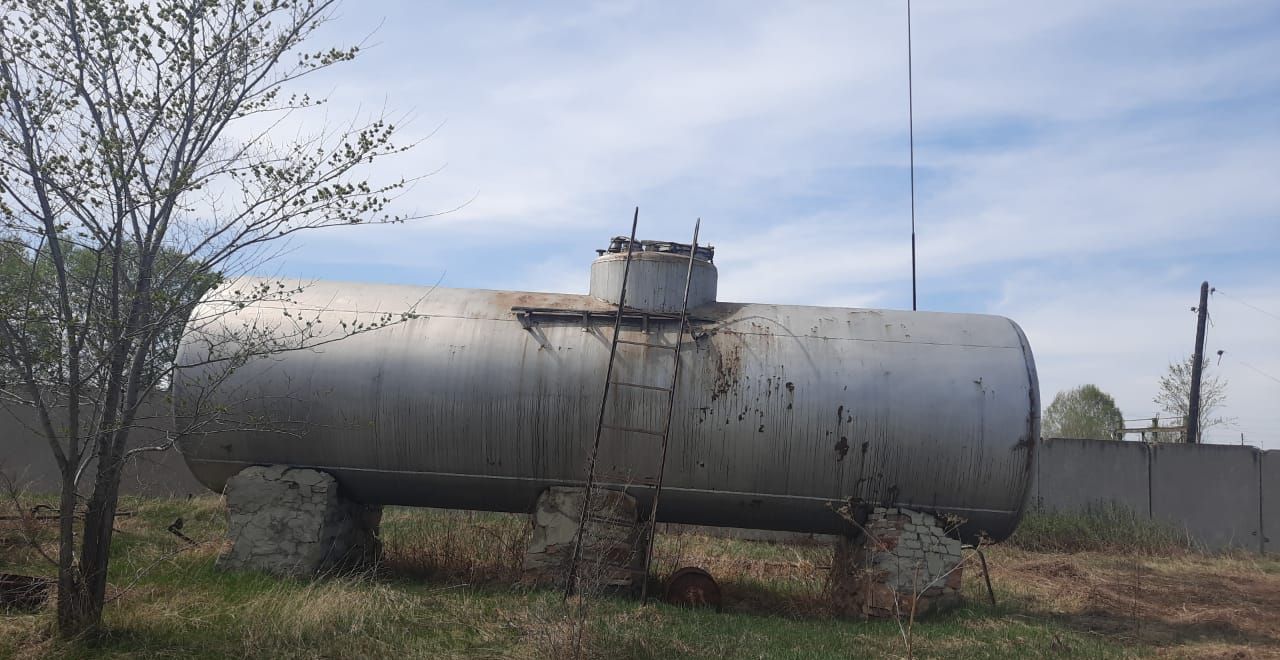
point(1197, 359)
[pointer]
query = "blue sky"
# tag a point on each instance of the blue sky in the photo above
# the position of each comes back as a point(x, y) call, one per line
point(1081, 167)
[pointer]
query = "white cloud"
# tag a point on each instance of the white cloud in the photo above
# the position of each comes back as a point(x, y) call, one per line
point(1081, 166)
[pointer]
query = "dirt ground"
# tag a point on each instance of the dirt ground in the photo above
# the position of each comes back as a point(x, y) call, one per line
point(1171, 604)
point(1189, 606)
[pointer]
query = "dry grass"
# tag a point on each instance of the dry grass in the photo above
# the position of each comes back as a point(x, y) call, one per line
point(459, 547)
point(1190, 604)
point(755, 577)
point(1108, 528)
point(445, 590)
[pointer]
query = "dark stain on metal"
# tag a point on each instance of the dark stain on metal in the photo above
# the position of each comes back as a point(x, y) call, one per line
point(842, 448)
point(727, 371)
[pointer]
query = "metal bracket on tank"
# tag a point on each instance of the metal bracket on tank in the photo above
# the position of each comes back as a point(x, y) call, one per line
point(530, 316)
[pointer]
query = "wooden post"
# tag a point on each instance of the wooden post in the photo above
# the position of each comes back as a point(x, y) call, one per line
point(1197, 360)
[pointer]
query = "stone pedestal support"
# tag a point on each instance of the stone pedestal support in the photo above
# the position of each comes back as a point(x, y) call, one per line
point(904, 560)
point(611, 551)
point(291, 521)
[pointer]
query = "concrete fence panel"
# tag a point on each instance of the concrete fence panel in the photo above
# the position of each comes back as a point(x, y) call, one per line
point(1078, 475)
point(1270, 487)
point(1211, 491)
point(27, 460)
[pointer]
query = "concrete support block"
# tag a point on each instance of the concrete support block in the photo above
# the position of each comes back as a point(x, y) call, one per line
point(288, 521)
point(896, 567)
point(611, 551)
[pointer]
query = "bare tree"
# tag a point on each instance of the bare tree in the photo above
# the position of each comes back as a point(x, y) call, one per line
point(1174, 396)
point(140, 161)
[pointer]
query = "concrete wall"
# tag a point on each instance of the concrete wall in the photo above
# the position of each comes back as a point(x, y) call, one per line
point(1270, 487)
point(26, 459)
point(1211, 491)
point(1223, 496)
point(1076, 475)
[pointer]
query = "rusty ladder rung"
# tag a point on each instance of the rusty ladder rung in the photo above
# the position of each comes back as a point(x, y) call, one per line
point(632, 429)
point(615, 522)
point(624, 383)
point(645, 343)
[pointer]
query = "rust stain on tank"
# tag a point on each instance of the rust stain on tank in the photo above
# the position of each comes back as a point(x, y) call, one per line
point(728, 370)
point(842, 449)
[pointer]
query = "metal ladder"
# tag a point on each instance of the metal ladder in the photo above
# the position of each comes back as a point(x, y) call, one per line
point(619, 432)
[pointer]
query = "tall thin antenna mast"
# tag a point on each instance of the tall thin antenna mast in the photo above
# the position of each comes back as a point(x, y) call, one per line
point(911, 132)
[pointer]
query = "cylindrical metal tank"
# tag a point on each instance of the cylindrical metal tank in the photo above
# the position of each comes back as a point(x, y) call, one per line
point(485, 398)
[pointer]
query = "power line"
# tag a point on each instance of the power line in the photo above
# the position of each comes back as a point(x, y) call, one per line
point(1259, 370)
point(1253, 307)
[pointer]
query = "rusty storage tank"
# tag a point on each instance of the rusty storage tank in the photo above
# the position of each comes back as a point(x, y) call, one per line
point(488, 397)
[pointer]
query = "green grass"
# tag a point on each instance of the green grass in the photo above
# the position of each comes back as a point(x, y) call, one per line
point(445, 590)
point(1108, 528)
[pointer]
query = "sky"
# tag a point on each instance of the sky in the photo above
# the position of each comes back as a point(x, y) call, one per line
point(1080, 167)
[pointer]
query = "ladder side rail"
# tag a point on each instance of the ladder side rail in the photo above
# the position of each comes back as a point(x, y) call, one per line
point(666, 431)
point(604, 400)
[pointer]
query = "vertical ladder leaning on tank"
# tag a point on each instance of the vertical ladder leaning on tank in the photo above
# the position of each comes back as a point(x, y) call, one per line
point(619, 432)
